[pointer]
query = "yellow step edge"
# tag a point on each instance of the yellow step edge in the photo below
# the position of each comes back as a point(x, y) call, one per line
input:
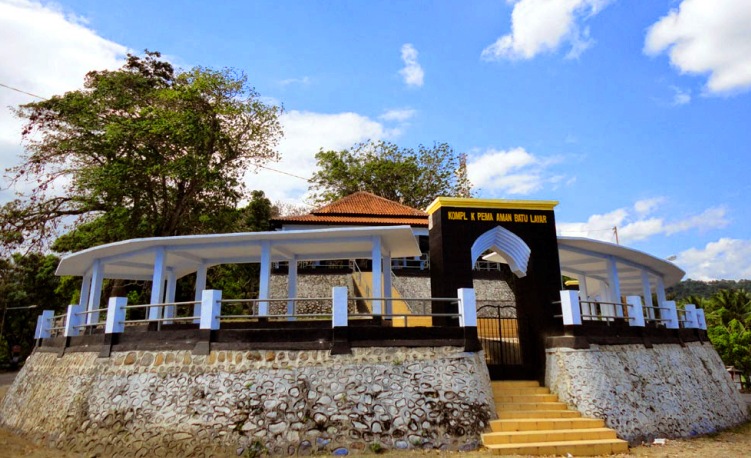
point(537, 424)
point(522, 390)
point(575, 448)
point(520, 414)
point(506, 406)
point(520, 398)
point(515, 383)
point(525, 437)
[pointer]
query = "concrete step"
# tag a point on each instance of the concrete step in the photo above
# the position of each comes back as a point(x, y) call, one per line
point(575, 448)
point(541, 424)
point(524, 398)
point(525, 437)
point(520, 390)
point(505, 384)
point(516, 406)
point(544, 414)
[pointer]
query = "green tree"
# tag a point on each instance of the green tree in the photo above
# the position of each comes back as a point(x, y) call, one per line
point(729, 304)
point(144, 150)
point(733, 343)
point(412, 177)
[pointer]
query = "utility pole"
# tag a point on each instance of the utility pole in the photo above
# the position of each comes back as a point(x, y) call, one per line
point(615, 231)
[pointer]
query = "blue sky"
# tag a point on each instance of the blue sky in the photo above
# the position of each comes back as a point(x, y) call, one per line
point(631, 114)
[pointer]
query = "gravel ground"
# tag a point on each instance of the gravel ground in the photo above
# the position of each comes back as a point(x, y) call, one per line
point(727, 444)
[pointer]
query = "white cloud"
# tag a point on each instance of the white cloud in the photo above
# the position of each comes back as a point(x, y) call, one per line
point(635, 224)
point(680, 96)
point(513, 171)
point(398, 115)
point(305, 133)
point(728, 259)
point(707, 37)
point(539, 26)
point(304, 81)
point(44, 52)
point(412, 72)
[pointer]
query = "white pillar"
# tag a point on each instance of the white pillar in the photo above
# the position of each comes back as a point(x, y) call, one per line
point(73, 321)
point(292, 287)
point(95, 293)
point(170, 311)
point(647, 293)
point(570, 308)
point(157, 283)
point(115, 315)
point(691, 321)
point(586, 309)
point(83, 301)
point(44, 323)
point(467, 307)
point(211, 308)
point(670, 315)
point(387, 272)
point(200, 286)
point(661, 299)
point(635, 311)
point(263, 287)
point(615, 285)
point(701, 320)
point(377, 276)
point(339, 306)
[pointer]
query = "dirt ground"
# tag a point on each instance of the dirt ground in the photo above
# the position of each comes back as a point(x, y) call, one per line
point(727, 444)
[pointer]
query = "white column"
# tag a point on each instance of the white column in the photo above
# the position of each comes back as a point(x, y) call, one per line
point(387, 283)
point(339, 306)
point(467, 307)
point(44, 323)
point(263, 287)
point(570, 307)
point(661, 299)
point(211, 308)
point(377, 276)
point(615, 285)
point(670, 315)
point(157, 283)
point(701, 320)
point(292, 287)
point(635, 311)
point(586, 309)
point(83, 301)
point(647, 293)
point(200, 286)
point(170, 311)
point(115, 315)
point(691, 321)
point(95, 293)
point(73, 321)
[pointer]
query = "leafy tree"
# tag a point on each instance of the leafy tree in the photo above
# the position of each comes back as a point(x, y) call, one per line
point(412, 177)
point(733, 343)
point(728, 305)
point(145, 150)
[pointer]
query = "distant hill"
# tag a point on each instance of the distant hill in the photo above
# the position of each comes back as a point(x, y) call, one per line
point(704, 288)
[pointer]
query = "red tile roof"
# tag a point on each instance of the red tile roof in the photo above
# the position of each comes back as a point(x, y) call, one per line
point(362, 208)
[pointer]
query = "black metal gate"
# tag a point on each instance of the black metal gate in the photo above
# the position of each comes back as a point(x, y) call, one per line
point(504, 337)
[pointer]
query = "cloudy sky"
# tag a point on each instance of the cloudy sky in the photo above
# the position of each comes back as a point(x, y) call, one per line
point(635, 115)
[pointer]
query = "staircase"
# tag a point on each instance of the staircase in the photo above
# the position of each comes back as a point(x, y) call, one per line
point(533, 422)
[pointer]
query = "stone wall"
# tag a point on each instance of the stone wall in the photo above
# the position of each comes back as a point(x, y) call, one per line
point(288, 402)
point(308, 285)
point(643, 393)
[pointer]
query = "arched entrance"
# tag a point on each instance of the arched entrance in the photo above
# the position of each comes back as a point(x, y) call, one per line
point(522, 233)
point(503, 331)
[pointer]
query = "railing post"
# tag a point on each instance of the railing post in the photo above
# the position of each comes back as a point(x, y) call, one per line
point(115, 323)
point(43, 325)
point(339, 306)
point(691, 321)
point(701, 320)
point(73, 320)
point(211, 308)
point(635, 311)
point(339, 321)
point(671, 315)
point(570, 309)
point(467, 307)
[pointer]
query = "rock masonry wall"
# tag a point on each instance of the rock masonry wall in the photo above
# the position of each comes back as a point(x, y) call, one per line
point(173, 403)
point(643, 393)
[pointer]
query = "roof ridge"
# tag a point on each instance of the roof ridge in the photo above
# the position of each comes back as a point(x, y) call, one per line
point(367, 203)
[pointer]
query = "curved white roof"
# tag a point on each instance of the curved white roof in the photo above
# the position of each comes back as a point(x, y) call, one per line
point(589, 257)
point(134, 259)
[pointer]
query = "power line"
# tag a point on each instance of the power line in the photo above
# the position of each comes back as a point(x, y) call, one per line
point(23, 92)
point(284, 173)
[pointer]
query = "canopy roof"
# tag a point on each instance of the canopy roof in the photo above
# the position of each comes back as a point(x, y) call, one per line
point(589, 257)
point(134, 259)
